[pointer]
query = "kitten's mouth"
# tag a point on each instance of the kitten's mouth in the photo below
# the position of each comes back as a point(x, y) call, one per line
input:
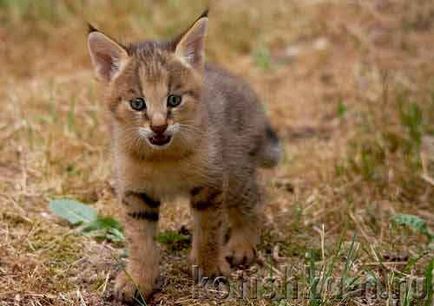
point(160, 139)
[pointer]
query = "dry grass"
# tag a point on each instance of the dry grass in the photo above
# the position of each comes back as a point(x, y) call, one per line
point(349, 85)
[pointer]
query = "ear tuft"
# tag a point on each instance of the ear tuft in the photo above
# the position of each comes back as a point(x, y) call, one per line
point(108, 57)
point(190, 47)
point(91, 28)
point(204, 14)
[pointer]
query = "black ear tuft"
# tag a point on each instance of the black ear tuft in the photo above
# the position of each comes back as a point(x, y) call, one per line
point(91, 28)
point(204, 14)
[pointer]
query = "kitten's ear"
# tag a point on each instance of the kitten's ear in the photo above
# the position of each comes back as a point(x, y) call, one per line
point(190, 46)
point(108, 57)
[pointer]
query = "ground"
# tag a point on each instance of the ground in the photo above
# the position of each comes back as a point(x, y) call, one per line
point(348, 85)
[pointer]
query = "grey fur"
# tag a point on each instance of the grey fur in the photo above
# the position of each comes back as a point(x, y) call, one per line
point(237, 121)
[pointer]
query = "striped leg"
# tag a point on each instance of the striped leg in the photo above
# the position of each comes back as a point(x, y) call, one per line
point(207, 211)
point(141, 214)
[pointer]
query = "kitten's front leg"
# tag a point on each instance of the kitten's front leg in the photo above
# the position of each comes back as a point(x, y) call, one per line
point(141, 214)
point(207, 211)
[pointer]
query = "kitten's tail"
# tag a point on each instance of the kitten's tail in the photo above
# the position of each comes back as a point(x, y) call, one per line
point(271, 151)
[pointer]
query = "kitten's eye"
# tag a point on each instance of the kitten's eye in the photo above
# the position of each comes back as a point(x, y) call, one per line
point(174, 100)
point(138, 104)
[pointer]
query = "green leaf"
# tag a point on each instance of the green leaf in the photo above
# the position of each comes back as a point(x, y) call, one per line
point(115, 235)
point(102, 223)
point(73, 211)
point(104, 228)
point(414, 222)
point(92, 225)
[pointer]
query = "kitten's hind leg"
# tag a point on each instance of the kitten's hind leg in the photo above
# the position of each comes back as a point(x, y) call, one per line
point(207, 246)
point(243, 202)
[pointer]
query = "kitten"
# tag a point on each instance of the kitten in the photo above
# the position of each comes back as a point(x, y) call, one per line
point(182, 127)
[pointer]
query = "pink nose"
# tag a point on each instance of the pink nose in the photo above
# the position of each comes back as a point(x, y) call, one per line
point(159, 129)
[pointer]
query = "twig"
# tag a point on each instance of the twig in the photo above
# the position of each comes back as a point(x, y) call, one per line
point(276, 256)
point(427, 178)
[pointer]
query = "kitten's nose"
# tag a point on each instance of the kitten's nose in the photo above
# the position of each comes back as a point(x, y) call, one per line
point(158, 123)
point(159, 129)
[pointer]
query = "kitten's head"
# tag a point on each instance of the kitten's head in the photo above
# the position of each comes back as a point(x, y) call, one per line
point(153, 89)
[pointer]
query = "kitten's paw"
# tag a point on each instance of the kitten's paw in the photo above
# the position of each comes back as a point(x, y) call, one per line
point(215, 269)
point(240, 252)
point(221, 268)
point(131, 291)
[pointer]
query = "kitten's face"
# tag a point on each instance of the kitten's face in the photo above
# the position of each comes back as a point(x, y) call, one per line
point(153, 89)
point(155, 99)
